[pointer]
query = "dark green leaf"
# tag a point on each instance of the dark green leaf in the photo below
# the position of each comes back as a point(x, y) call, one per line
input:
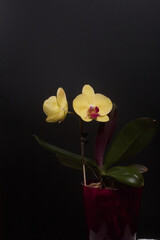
point(126, 175)
point(67, 158)
point(131, 140)
point(140, 168)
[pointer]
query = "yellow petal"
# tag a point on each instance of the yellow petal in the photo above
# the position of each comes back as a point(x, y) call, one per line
point(81, 105)
point(59, 116)
point(65, 112)
point(62, 118)
point(88, 90)
point(87, 119)
point(103, 103)
point(102, 119)
point(50, 106)
point(61, 98)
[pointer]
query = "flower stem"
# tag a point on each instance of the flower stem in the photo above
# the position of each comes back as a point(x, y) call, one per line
point(70, 112)
point(82, 150)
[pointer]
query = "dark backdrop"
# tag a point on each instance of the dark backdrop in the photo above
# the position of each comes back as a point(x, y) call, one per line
point(112, 45)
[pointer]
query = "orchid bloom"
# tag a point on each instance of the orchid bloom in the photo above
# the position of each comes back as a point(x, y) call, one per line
point(56, 107)
point(92, 106)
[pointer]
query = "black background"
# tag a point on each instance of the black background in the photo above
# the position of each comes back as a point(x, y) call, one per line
point(110, 44)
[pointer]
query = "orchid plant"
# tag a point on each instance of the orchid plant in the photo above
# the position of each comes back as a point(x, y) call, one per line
point(131, 139)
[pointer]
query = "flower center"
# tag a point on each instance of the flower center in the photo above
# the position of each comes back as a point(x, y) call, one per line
point(93, 112)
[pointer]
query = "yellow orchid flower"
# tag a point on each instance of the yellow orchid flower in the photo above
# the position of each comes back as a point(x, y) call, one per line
point(56, 108)
point(92, 106)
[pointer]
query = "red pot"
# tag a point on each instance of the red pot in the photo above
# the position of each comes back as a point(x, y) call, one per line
point(112, 214)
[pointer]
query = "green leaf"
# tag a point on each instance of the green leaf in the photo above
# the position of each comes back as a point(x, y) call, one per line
point(131, 140)
point(67, 158)
point(126, 175)
point(140, 168)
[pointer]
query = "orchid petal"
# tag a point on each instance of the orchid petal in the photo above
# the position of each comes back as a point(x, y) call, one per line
point(50, 106)
point(87, 119)
point(58, 117)
point(81, 105)
point(102, 118)
point(61, 98)
point(103, 103)
point(88, 90)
